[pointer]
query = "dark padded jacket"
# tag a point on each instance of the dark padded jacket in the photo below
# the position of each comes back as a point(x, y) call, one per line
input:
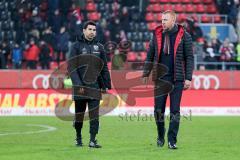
point(96, 51)
point(183, 55)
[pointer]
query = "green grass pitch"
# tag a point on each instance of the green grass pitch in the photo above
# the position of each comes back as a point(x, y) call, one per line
point(205, 138)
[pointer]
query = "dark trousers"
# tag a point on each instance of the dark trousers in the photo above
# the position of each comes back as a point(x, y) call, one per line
point(45, 64)
point(32, 64)
point(159, 110)
point(93, 111)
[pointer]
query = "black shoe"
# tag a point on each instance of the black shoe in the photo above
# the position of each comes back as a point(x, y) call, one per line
point(172, 145)
point(160, 142)
point(94, 144)
point(79, 142)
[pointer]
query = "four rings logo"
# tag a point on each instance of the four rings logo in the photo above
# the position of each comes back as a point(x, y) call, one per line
point(206, 81)
point(199, 81)
point(42, 80)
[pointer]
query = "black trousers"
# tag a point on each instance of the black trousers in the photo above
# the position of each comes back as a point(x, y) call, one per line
point(93, 111)
point(159, 111)
point(32, 64)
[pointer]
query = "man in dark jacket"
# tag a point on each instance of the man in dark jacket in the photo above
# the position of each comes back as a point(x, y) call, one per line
point(171, 46)
point(89, 73)
point(62, 44)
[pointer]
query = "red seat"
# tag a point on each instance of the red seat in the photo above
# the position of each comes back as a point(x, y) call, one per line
point(90, 7)
point(156, 8)
point(167, 7)
point(211, 9)
point(149, 17)
point(195, 17)
point(149, 8)
point(131, 56)
point(152, 26)
point(174, 1)
point(189, 8)
point(205, 18)
point(179, 8)
point(196, 1)
point(143, 56)
point(207, 1)
point(185, 1)
point(217, 19)
point(200, 8)
point(158, 17)
point(182, 17)
point(94, 16)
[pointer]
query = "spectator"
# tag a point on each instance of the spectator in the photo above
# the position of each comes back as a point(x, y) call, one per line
point(31, 55)
point(5, 51)
point(2, 60)
point(114, 29)
point(210, 56)
point(216, 45)
point(49, 37)
point(44, 56)
point(118, 60)
point(226, 6)
point(36, 21)
point(194, 30)
point(124, 19)
point(55, 21)
point(17, 57)
point(105, 30)
point(226, 51)
point(238, 53)
point(75, 24)
point(100, 34)
point(62, 44)
point(64, 6)
point(53, 5)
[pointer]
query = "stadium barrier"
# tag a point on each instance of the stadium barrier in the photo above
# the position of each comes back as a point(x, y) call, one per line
point(28, 93)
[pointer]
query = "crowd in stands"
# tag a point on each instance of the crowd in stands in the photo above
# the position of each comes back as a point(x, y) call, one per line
point(37, 34)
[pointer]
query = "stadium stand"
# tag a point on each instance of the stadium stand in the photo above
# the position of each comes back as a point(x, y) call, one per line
point(23, 21)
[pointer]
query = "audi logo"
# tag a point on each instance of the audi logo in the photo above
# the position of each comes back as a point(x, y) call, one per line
point(206, 81)
point(45, 81)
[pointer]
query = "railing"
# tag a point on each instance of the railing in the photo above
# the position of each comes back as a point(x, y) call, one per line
point(223, 17)
point(200, 60)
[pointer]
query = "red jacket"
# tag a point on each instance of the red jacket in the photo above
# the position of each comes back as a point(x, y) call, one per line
point(32, 53)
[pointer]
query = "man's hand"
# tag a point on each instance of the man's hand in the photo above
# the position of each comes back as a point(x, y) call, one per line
point(144, 80)
point(187, 84)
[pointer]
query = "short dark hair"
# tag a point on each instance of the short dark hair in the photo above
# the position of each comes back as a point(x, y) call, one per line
point(89, 23)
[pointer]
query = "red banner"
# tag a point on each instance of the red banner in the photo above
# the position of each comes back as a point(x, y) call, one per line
point(23, 79)
point(44, 102)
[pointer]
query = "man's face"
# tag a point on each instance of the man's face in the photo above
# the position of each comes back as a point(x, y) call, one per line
point(90, 32)
point(167, 21)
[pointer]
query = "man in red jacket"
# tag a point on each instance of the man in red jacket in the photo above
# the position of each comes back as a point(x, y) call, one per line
point(171, 47)
point(31, 55)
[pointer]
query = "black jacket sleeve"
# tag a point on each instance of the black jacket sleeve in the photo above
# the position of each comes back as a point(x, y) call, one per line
point(148, 65)
point(73, 65)
point(104, 75)
point(188, 56)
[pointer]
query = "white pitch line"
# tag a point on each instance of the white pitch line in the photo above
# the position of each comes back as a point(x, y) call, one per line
point(46, 129)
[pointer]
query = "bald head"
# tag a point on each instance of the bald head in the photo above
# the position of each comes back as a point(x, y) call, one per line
point(168, 19)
